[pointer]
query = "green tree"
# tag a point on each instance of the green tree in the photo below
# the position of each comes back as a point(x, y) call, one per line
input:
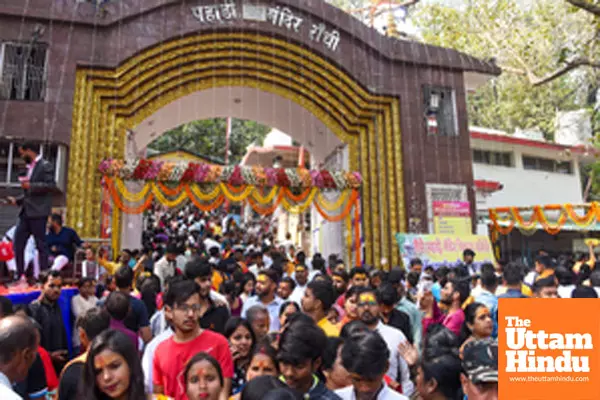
point(548, 50)
point(207, 138)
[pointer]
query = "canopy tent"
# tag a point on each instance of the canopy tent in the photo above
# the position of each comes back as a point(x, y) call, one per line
point(334, 194)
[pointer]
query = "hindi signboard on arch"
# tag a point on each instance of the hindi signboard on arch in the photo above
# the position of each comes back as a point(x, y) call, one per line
point(438, 250)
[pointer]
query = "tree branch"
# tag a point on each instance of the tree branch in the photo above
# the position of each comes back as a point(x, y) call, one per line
point(578, 62)
point(586, 6)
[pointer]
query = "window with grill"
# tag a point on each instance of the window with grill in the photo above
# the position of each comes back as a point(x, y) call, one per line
point(22, 71)
point(500, 158)
point(547, 165)
point(440, 106)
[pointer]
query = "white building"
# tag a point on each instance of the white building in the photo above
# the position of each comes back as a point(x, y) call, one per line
point(523, 170)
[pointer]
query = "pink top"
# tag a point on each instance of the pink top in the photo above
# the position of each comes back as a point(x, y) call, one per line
point(455, 321)
point(437, 318)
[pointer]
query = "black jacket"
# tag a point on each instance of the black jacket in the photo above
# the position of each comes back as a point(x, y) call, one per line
point(36, 202)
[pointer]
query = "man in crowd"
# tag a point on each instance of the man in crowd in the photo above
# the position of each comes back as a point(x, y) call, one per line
point(266, 286)
point(512, 278)
point(300, 351)
point(546, 288)
point(318, 299)
point(62, 242)
point(182, 307)
point(46, 311)
point(479, 378)
point(36, 204)
point(469, 262)
point(259, 320)
point(212, 316)
point(407, 306)
point(80, 303)
point(166, 266)
point(118, 307)
point(301, 275)
point(368, 313)
point(286, 288)
point(137, 319)
point(454, 294)
point(544, 266)
point(19, 340)
point(340, 282)
point(489, 283)
point(89, 325)
point(387, 297)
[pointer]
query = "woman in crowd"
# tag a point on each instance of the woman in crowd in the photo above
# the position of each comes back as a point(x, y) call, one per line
point(365, 356)
point(229, 290)
point(203, 378)
point(113, 369)
point(478, 324)
point(248, 283)
point(263, 363)
point(288, 308)
point(241, 342)
point(350, 306)
point(336, 376)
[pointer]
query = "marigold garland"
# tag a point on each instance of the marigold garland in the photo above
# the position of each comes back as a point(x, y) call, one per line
point(538, 216)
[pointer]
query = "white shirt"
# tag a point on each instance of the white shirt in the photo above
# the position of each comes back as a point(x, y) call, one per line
point(565, 291)
point(386, 393)
point(6, 390)
point(148, 357)
point(297, 294)
point(79, 306)
point(210, 243)
point(393, 337)
point(163, 269)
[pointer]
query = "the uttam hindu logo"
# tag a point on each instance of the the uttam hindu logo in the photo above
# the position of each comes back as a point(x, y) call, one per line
point(524, 342)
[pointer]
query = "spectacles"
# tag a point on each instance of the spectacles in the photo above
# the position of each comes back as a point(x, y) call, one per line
point(186, 307)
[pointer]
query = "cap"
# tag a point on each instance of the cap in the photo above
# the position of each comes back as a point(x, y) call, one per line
point(480, 361)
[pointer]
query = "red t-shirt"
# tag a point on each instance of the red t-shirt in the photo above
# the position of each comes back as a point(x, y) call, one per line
point(170, 359)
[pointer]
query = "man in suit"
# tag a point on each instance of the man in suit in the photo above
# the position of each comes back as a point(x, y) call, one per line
point(36, 204)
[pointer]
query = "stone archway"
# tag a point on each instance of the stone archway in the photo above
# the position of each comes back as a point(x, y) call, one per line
point(111, 101)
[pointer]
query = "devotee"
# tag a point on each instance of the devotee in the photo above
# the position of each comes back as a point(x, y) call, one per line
point(387, 297)
point(286, 288)
point(336, 375)
point(478, 323)
point(19, 340)
point(241, 343)
point(546, 288)
point(89, 325)
point(288, 308)
point(543, 267)
point(406, 306)
point(182, 306)
point(340, 282)
point(301, 277)
point(453, 295)
point(118, 306)
point(166, 267)
point(212, 316)
point(137, 319)
point(368, 313)
point(479, 378)
point(112, 369)
point(350, 306)
point(47, 313)
point(266, 286)
point(62, 242)
point(365, 356)
point(248, 283)
point(82, 302)
point(318, 298)
point(203, 378)
point(512, 281)
point(258, 318)
point(300, 350)
point(489, 284)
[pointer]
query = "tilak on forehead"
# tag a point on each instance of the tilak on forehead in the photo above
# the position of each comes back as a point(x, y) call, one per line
point(360, 276)
point(367, 298)
point(262, 278)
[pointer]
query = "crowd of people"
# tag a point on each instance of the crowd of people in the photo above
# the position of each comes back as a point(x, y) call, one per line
point(211, 308)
